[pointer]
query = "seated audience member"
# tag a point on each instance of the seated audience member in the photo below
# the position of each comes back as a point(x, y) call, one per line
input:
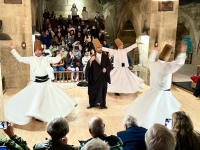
point(57, 128)
point(63, 45)
point(129, 62)
point(59, 67)
point(105, 44)
point(96, 144)
point(71, 64)
point(77, 43)
point(45, 39)
point(186, 137)
point(92, 52)
point(14, 142)
point(46, 52)
point(133, 136)
point(77, 52)
point(50, 33)
point(70, 27)
point(158, 137)
point(59, 38)
point(53, 48)
point(85, 60)
point(64, 52)
point(86, 46)
point(96, 129)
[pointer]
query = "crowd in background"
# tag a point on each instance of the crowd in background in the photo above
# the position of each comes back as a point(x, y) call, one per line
point(72, 35)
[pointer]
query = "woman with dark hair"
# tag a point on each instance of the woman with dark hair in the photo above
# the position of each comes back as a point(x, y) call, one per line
point(186, 137)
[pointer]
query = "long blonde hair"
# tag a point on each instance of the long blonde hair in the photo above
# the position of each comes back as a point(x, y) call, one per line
point(183, 129)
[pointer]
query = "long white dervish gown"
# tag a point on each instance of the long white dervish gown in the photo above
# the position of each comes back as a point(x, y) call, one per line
point(122, 79)
point(42, 100)
point(156, 104)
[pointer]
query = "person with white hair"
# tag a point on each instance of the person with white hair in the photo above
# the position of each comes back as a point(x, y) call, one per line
point(96, 129)
point(133, 135)
point(158, 137)
point(96, 144)
point(57, 128)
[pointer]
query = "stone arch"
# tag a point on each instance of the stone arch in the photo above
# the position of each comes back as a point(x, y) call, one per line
point(189, 24)
point(126, 15)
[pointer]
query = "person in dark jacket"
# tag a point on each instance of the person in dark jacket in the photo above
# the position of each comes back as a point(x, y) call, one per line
point(133, 136)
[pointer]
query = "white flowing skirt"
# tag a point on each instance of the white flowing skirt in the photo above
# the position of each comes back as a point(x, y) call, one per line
point(38, 100)
point(153, 106)
point(124, 81)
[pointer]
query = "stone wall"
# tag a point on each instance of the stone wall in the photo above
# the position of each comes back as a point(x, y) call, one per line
point(62, 7)
point(17, 22)
point(189, 15)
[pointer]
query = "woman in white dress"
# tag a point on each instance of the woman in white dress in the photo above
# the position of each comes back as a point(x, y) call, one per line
point(122, 79)
point(158, 103)
point(40, 99)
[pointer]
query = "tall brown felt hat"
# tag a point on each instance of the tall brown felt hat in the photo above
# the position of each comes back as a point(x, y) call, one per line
point(118, 42)
point(166, 52)
point(37, 45)
point(96, 43)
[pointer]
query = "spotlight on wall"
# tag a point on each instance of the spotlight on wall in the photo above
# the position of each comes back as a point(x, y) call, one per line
point(23, 45)
point(156, 41)
point(3, 36)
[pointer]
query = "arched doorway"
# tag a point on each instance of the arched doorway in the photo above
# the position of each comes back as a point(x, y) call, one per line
point(128, 36)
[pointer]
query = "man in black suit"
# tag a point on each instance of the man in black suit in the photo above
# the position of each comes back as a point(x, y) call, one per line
point(97, 75)
point(133, 136)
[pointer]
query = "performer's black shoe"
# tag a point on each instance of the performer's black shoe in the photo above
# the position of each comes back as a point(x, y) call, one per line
point(117, 94)
point(90, 107)
point(103, 107)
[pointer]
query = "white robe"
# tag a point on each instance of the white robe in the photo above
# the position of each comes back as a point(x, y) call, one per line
point(122, 79)
point(38, 100)
point(156, 104)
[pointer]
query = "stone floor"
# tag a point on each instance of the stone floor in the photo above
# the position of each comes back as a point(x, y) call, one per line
point(113, 116)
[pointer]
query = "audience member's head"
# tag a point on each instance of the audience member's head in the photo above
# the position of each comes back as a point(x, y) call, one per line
point(96, 126)
point(57, 128)
point(96, 144)
point(129, 121)
point(183, 130)
point(158, 137)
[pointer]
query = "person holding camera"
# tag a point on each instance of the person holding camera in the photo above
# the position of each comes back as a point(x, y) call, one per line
point(14, 142)
point(122, 79)
point(72, 65)
point(183, 129)
point(74, 11)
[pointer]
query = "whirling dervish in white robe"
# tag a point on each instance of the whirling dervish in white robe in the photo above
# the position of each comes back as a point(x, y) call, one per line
point(41, 98)
point(122, 79)
point(158, 103)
